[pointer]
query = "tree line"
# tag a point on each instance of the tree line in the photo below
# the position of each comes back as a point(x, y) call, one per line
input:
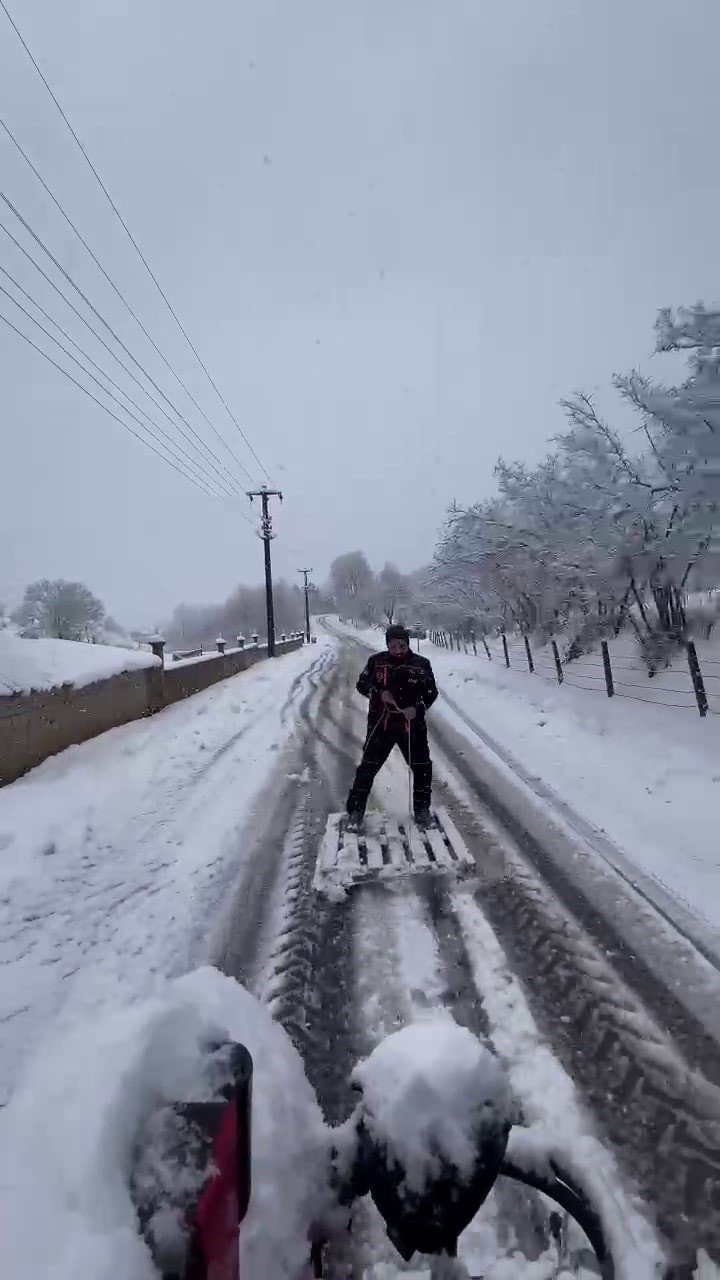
point(243, 613)
point(600, 536)
point(352, 589)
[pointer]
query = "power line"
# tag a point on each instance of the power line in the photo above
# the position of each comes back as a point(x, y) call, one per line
point(171, 447)
point(115, 356)
point(41, 243)
point(120, 295)
point(130, 236)
point(142, 439)
point(85, 354)
point(34, 302)
point(92, 362)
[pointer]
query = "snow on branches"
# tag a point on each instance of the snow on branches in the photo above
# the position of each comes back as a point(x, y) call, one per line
point(597, 535)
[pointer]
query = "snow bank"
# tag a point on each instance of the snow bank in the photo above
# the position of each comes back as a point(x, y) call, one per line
point(429, 1090)
point(67, 1136)
point(643, 775)
point(26, 665)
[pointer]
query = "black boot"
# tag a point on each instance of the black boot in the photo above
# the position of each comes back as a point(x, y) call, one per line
point(355, 821)
point(423, 818)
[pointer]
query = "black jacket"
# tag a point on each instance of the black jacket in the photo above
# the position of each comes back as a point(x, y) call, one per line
point(410, 680)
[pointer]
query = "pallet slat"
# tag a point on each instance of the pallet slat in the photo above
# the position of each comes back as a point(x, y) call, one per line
point(396, 849)
point(459, 847)
point(419, 854)
point(329, 847)
point(349, 855)
point(443, 856)
point(374, 853)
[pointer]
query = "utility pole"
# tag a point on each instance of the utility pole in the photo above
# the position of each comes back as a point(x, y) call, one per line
point(267, 536)
point(305, 573)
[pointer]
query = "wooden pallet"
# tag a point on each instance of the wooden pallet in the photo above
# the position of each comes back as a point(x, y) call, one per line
point(387, 849)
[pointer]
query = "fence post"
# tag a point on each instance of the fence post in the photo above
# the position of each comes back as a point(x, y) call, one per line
point(451, 641)
point(609, 683)
point(474, 644)
point(485, 644)
point(696, 677)
point(157, 644)
point(558, 663)
point(505, 650)
point(531, 664)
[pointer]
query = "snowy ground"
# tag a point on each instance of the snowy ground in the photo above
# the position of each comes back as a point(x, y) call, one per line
point(44, 664)
point(645, 775)
point(116, 854)
point(120, 870)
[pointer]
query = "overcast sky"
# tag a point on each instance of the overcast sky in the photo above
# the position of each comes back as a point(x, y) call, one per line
point(398, 231)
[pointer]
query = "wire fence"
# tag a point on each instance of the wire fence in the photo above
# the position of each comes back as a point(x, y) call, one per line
point(691, 683)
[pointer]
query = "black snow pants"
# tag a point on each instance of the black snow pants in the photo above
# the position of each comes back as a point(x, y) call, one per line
point(384, 734)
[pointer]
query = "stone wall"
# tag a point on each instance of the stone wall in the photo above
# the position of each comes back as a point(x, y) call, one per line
point(37, 725)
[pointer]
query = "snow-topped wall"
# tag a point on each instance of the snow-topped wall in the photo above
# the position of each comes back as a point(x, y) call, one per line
point(41, 718)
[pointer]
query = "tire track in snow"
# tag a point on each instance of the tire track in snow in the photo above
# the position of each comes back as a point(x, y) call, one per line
point(550, 1104)
point(662, 1119)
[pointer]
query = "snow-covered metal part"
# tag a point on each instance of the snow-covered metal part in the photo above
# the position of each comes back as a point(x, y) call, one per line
point(387, 848)
point(432, 1131)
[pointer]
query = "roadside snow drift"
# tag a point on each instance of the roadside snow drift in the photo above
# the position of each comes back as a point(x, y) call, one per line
point(67, 1136)
point(26, 665)
point(117, 856)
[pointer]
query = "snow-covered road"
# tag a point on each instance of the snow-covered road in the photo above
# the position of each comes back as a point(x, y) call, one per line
point(193, 836)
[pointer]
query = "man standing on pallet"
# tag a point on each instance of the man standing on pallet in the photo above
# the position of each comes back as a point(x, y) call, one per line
point(401, 687)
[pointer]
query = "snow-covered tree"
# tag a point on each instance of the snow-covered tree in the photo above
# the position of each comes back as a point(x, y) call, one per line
point(392, 593)
point(682, 428)
point(595, 535)
point(350, 575)
point(66, 610)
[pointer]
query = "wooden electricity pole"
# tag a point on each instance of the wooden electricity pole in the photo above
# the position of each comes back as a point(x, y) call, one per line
point(305, 573)
point(267, 536)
